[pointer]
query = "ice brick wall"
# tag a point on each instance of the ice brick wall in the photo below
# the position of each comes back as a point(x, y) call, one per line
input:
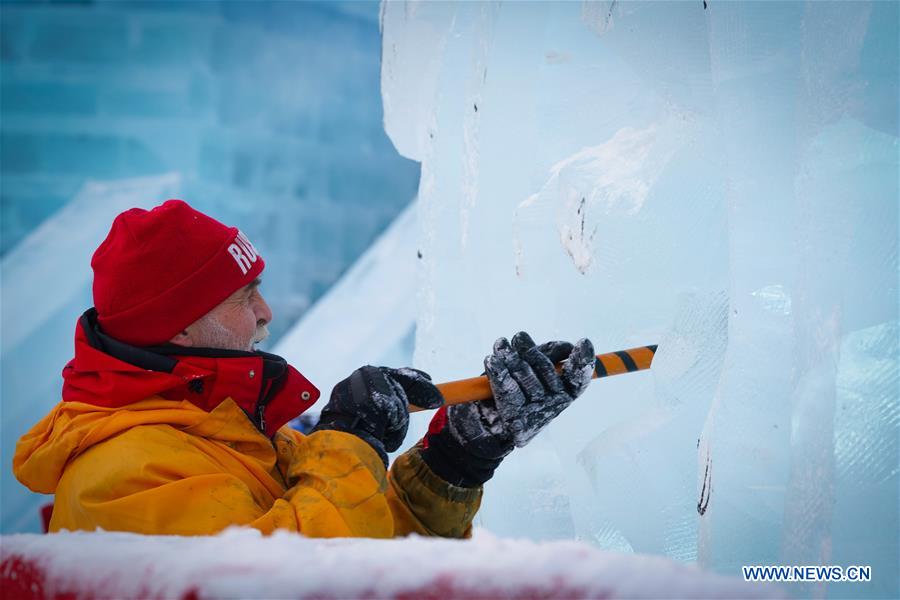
point(720, 178)
point(269, 110)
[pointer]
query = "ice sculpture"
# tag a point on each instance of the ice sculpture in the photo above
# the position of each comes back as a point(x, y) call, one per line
point(717, 177)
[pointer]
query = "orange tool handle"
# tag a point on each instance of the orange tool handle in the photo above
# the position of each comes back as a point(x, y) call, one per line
point(606, 365)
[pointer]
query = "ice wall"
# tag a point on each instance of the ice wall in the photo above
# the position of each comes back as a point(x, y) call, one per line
point(269, 110)
point(720, 178)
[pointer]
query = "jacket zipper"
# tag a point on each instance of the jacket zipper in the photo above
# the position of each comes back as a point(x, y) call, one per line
point(261, 424)
point(260, 417)
point(265, 396)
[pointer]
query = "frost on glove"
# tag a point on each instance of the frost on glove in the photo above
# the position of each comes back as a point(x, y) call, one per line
point(373, 404)
point(466, 442)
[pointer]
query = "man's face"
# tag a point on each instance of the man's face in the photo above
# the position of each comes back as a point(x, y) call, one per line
point(238, 323)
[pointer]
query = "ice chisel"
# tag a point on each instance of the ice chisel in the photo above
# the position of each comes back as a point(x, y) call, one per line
point(612, 363)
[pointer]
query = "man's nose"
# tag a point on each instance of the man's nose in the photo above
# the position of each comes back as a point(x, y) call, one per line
point(262, 310)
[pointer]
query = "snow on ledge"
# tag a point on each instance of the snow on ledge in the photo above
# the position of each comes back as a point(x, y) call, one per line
point(241, 563)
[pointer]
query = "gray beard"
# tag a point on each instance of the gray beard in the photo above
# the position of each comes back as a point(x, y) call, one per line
point(213, 334)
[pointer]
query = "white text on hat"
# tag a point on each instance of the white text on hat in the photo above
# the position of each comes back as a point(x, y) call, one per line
point(243, 251)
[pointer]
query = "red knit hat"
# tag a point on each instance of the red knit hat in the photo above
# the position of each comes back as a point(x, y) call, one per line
point(158, 271)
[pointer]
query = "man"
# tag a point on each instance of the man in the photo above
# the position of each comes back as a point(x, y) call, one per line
point(171, 423)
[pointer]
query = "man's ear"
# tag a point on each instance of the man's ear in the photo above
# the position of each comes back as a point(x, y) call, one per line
point(182, 339)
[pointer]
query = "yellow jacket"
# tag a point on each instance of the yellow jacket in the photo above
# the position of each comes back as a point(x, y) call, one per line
point(191, 442)
point(164, 467)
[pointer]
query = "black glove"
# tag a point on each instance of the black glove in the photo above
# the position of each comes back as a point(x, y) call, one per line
point(373, 404)
point(466, 442)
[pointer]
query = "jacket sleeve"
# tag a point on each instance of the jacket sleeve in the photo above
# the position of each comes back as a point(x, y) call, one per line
point(159, 481)
point(423, 503)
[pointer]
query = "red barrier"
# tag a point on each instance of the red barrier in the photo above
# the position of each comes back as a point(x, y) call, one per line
point(240, 563)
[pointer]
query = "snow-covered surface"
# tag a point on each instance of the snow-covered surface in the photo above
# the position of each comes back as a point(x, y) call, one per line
point(241, 563)
point(720, 178)
point(365, 317)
